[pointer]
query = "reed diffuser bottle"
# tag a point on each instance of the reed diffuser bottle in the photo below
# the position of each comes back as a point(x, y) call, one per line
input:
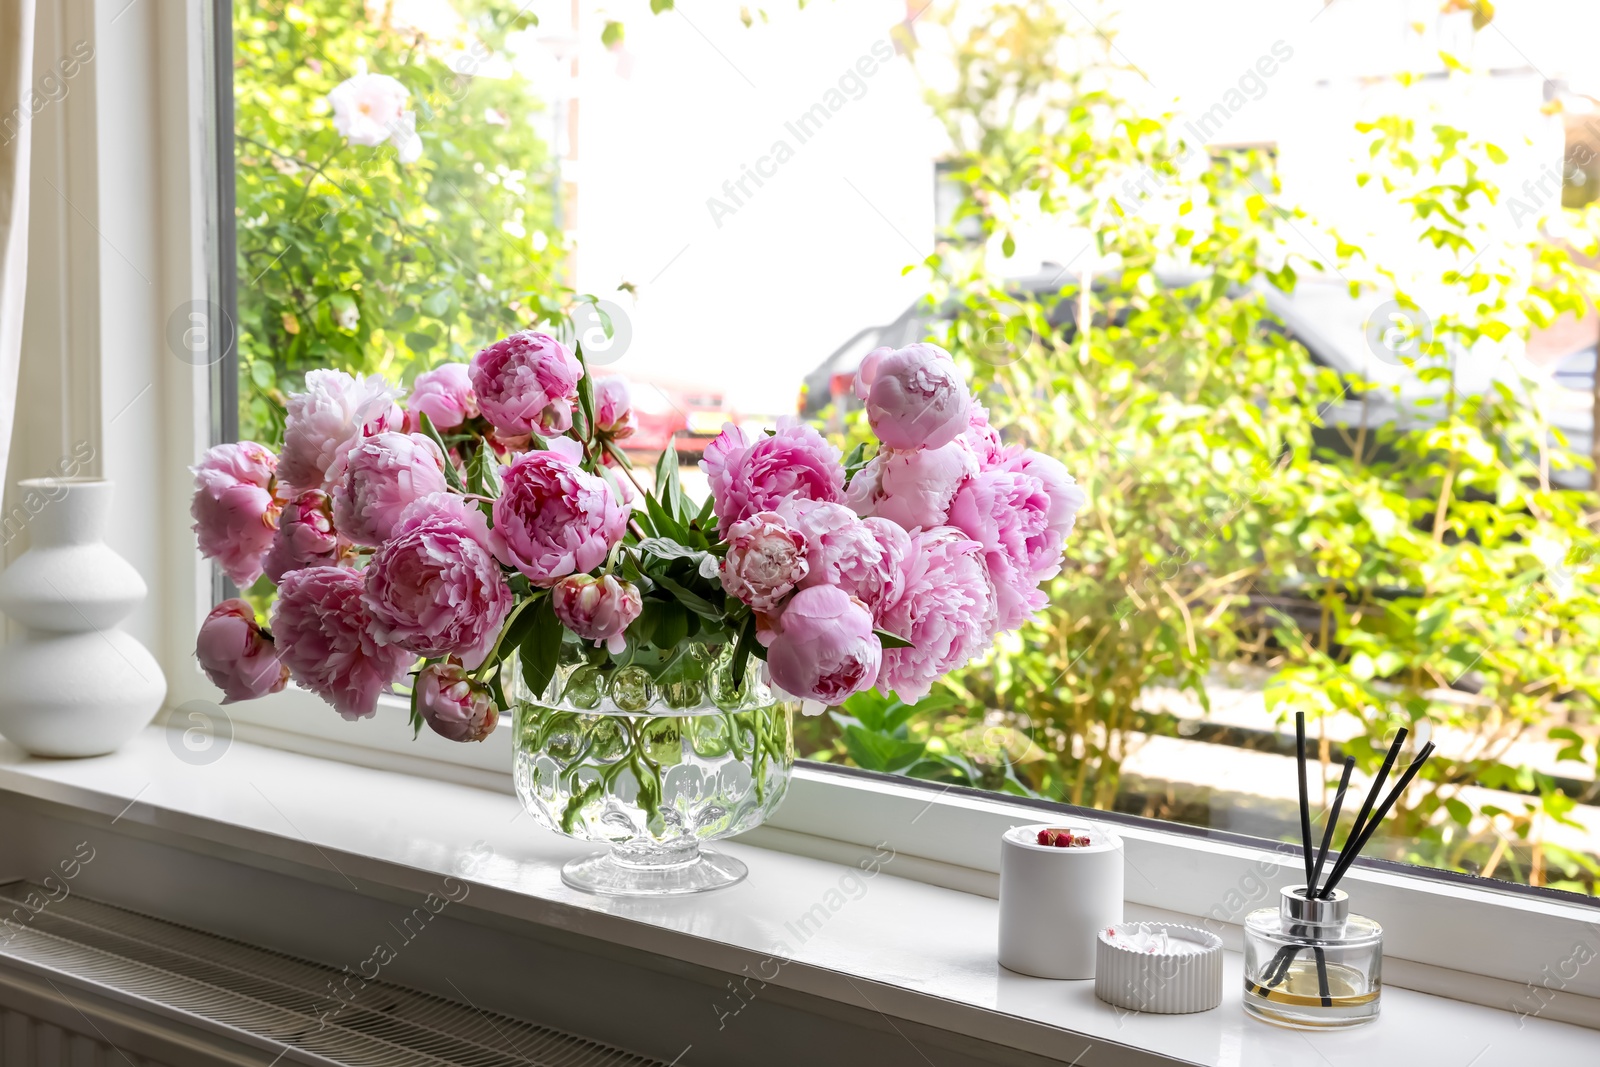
point(1309, 963)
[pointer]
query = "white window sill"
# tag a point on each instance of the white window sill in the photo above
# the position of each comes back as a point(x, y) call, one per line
point(910, 951)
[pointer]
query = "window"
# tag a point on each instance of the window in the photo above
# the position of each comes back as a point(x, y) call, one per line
point(1328, 397)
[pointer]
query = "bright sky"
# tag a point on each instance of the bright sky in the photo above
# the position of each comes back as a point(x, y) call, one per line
point(754, 298)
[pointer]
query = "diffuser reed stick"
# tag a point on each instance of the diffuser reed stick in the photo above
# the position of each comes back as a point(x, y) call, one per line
point(1333, 820)
point(1305, 802)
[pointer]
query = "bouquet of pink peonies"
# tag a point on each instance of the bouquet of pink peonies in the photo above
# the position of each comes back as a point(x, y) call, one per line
point(463, 538)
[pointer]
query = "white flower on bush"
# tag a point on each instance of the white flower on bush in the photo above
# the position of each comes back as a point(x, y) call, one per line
point(370, 109)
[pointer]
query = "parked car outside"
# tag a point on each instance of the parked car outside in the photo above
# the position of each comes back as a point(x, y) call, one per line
point(681, 414)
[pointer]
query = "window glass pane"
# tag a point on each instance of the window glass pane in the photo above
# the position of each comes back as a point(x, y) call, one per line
point(1301, 297)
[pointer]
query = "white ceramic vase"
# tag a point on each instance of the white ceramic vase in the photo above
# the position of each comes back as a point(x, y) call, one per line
point(72, 684)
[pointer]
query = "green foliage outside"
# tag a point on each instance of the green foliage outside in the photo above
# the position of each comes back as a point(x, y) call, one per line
point(1430, 577)
point(349, 258)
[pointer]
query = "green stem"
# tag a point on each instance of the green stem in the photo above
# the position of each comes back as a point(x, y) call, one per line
point(493, 657)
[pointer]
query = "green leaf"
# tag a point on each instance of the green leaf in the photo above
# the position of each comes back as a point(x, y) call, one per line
point(451, 476)
point(857, 459)
point(541, 647)
point(880, 752)
point(611, 34)
point(658, 6)
point(691, 600)
point(483, 472)
point(585, 393)
point(868, 709)
point(663, 548)
point(889, 640)
point(672, 625)
point(666, 525)
point(518, 625)
point(668, 487)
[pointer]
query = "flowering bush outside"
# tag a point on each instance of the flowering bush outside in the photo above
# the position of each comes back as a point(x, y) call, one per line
point(394, 201)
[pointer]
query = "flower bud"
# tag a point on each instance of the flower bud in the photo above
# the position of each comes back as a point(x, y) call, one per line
point(916, 397)
point(238, 655)
point(596, 609)
point(453, 705)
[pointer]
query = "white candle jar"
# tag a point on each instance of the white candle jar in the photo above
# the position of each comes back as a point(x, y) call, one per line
point(1054, 901)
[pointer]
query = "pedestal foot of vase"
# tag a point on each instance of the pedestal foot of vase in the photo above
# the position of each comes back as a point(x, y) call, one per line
point(616, 872)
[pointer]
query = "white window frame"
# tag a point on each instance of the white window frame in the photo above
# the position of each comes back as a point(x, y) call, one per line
point(134, 154)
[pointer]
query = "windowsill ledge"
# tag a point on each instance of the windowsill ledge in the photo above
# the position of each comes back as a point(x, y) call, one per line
point(909, 951)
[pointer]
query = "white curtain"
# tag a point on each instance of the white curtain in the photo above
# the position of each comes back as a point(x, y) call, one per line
point(16, 115)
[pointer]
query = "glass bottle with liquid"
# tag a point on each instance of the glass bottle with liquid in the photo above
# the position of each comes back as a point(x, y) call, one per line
point(1310, 964)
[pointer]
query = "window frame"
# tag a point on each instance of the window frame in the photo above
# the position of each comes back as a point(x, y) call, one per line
point(164, 55)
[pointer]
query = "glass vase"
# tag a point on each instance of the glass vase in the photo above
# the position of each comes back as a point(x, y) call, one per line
point(653, 754)
point(1310, 964)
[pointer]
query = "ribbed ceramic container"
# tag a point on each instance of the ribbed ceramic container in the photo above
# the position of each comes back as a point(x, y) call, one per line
point(1160, 984)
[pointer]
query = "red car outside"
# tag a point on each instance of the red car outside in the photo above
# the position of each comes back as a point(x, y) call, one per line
point(682, 414)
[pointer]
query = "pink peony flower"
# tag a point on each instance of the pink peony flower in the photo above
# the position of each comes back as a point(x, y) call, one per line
point(445, 395)
point(825, 649)
point(983, 439)
point(946, 610)
point(916, 397)
point(305, 537)
point(913, 489)
point(1067, 498)
point(878, 581)
point(237, 654)
point(434, 588)
point(613, 408)
point(453, 705)
point(1008, 513)
point(326, 420)
point(750, 474)
point(324, 635)
point(596, 609)
point(526, 382)
point(384, 475)
point(234, 511)
point(554, 519)
point(867, 373)
point(844, 550)
point(766, 559)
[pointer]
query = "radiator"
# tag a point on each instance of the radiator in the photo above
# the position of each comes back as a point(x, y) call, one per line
point(86, 984)
point(25, 1040)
